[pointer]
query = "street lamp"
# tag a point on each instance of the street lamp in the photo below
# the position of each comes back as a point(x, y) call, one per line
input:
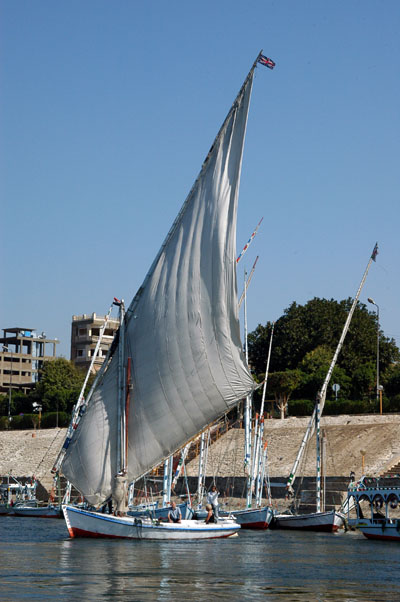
point(378, 388)
point(5, 348)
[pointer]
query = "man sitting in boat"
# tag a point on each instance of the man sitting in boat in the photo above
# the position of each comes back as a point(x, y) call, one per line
point(174, 515)
point(210, 518)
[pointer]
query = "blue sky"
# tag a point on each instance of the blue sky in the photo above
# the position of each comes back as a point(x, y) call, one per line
point(109, 108)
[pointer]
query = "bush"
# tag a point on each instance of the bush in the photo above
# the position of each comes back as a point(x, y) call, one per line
point(49, 420)
point(26, 422)
point(23, 422)
point(305, 407)
point(300, 407)
point(347, 406)
point(3, 423)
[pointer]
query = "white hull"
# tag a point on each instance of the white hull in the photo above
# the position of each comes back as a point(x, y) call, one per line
point(256, 518)
point(388, 529)
point(83, 523)
point(317, 521)
point(38, 512)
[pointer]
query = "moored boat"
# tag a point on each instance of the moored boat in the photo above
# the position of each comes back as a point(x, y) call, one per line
point(49, 511)
point(329, 521)
point(382, 503)
point(84, 523)
point(254, 518)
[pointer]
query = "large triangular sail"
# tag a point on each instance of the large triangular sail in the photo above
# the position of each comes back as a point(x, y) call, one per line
point(181, 332)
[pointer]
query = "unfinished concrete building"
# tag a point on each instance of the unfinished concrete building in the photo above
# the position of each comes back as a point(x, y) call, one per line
point(85, 333)
point(22, 353)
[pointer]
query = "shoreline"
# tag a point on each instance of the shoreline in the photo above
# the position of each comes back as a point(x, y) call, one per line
point(30, 452)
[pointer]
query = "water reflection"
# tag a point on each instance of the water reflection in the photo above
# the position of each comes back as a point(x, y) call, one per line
point(41, 562)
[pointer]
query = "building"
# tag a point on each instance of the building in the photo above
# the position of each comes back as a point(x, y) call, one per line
point(85, 333)
point(22, 354)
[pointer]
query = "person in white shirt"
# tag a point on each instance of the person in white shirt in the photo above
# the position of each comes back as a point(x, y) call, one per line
point(212, 498)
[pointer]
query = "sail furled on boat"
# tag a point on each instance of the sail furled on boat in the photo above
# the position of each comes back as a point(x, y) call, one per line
point(181, 331)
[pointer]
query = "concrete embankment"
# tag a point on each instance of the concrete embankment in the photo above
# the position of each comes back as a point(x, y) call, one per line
point(24, 453)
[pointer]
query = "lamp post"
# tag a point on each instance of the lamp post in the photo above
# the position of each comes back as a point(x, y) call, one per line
point(378, 388)
point(5, 348)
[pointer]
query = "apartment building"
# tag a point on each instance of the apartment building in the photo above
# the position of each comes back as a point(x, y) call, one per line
point(85, 332)
point(22, 353)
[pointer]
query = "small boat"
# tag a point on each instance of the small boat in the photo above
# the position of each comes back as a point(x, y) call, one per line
point(381, 503)
point(14, 494)
point(84, 523)
point(254, 518)
point(329, 521)
point(48, 511)
point(176, 363)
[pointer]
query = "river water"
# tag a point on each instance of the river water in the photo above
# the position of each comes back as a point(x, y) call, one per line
point(40, 562)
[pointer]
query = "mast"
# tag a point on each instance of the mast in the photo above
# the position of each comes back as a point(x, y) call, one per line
point(166, 493)
point(318, 448)
point(247, 413)
point(248, 282)
point(201, 469)
point(121, 413)
point(322, 394)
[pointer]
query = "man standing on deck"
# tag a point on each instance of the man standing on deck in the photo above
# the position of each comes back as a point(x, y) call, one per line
point(212, 498)
point(119, 494)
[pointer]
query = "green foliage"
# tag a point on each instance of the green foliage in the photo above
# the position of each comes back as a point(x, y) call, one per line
point(347, 406)
point(59, 385)
point(282, 384)
point(23, 422)
point(4, 423)
point(300, 407)
point(31, 421)
point(51, 420)
point(391, 381)
point(306, 337)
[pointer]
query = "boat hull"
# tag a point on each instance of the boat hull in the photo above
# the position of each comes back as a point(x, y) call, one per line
point(384, 530)
point(317, 521)
point(38, 512)
point(256, 518)
point(83, 523)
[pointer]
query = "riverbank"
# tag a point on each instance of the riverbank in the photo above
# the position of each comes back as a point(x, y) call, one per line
point(24, 453)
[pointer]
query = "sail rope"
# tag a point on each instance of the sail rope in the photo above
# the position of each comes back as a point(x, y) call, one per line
point(302, 467)
point(48, 449)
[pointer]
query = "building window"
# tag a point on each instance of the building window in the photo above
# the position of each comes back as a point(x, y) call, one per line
point(81, 331)
point(79, 352)
point(109, 332)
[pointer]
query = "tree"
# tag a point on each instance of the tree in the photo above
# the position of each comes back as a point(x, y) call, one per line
point(282, 384)
point(391, 381)
point(315, 366)
point(59, 385)
point(304, 328)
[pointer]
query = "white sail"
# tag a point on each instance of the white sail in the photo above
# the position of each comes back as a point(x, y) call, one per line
point(181, 331)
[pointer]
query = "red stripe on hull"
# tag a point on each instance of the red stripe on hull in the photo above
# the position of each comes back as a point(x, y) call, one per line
point(82, 533)
point(75, 532)
point(387, 537)
point(259, 525)
point(321, 528)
